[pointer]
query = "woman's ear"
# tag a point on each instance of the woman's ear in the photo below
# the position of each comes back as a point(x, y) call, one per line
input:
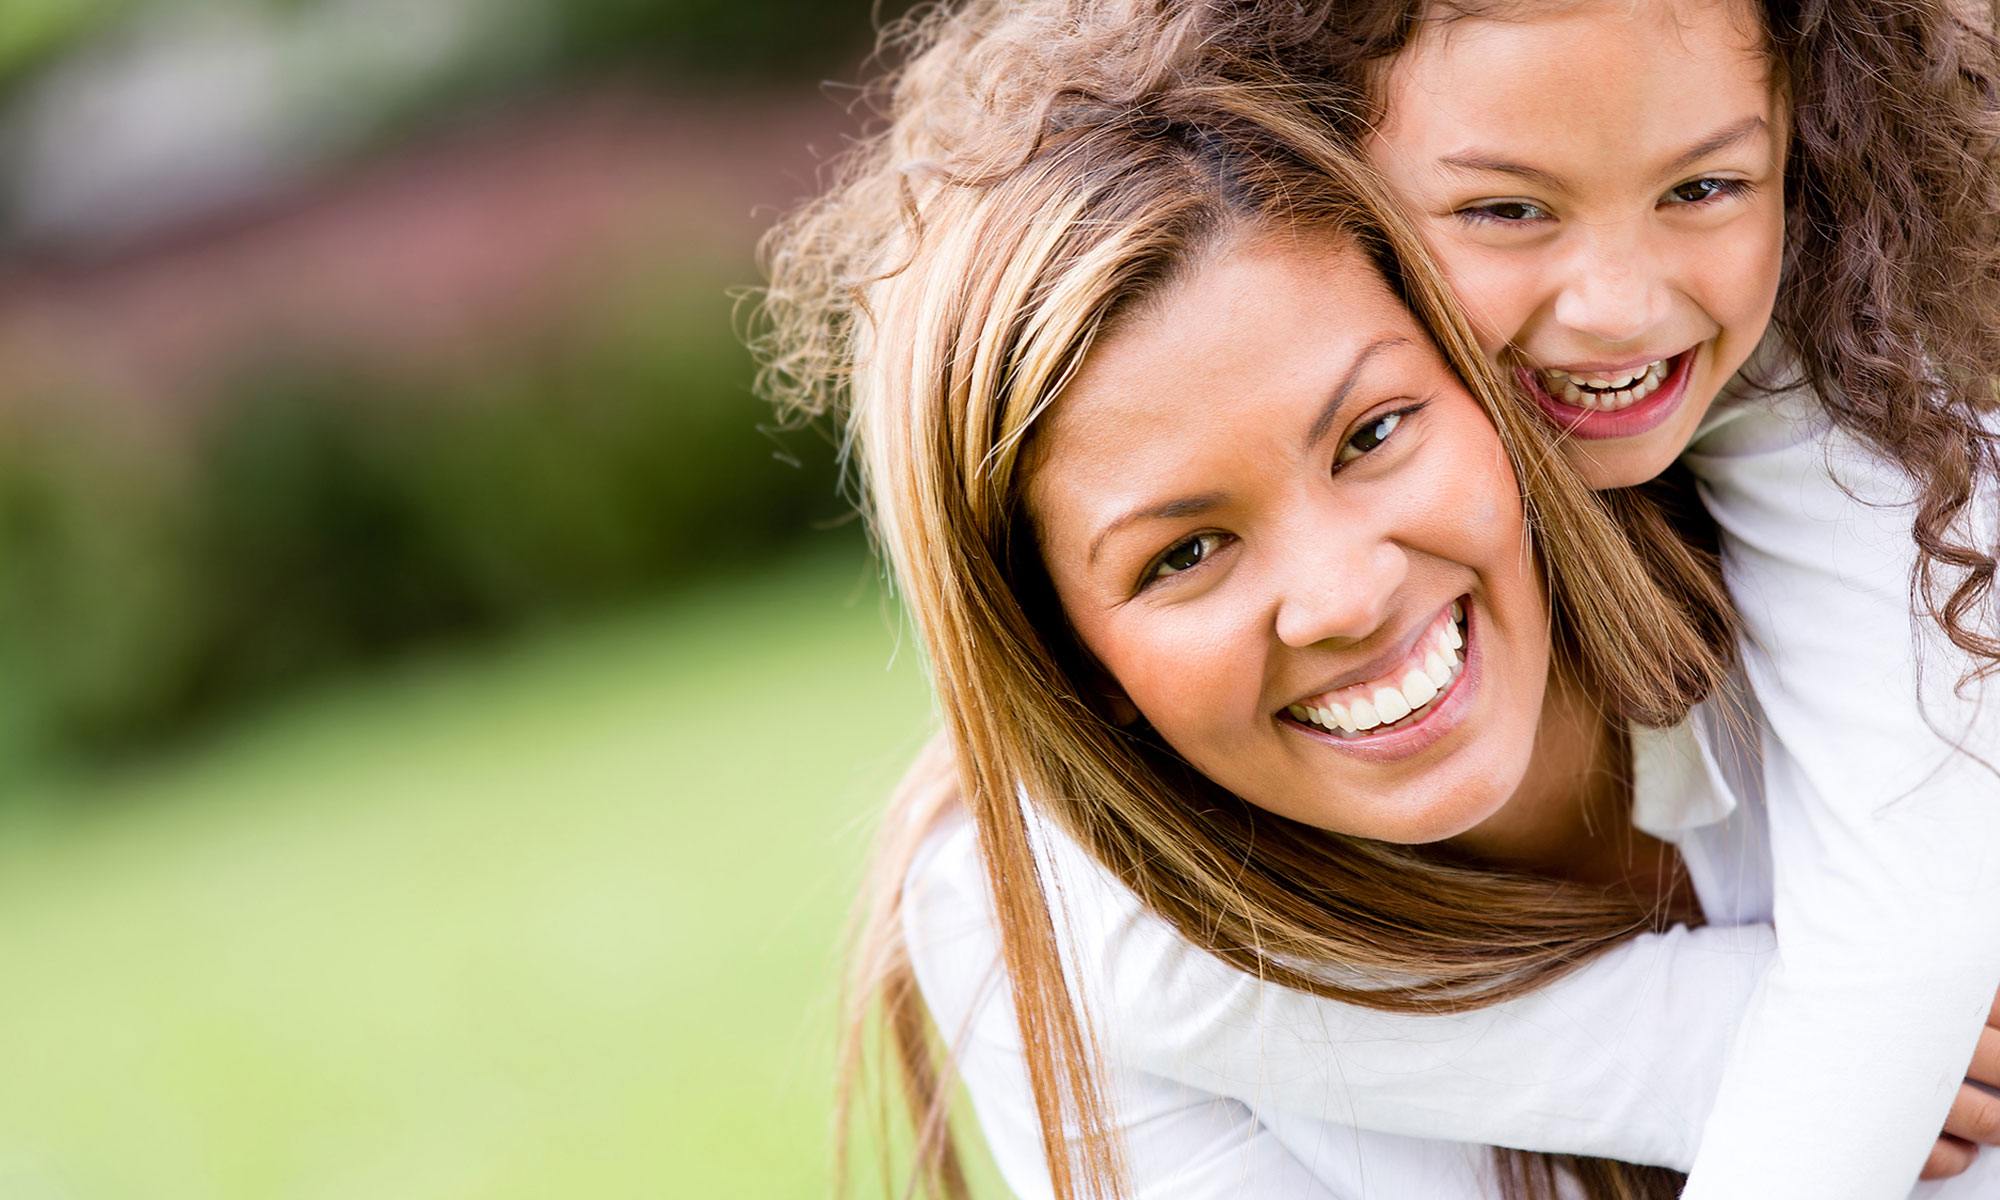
point(1110, 700)
point(1116, 705)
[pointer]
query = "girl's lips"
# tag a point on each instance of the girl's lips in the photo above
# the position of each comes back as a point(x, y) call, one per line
point(1445, 714)
point(1594, 425)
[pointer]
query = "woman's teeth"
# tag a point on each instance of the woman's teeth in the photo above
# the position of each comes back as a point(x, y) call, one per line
point(1606, 393)
point(1406, 692)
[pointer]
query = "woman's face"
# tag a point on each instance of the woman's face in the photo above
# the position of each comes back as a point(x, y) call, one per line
point(1292, 540)
point(1603, 184)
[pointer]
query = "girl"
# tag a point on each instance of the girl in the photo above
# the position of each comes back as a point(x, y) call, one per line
point(1008, 283)
point(1621, 195)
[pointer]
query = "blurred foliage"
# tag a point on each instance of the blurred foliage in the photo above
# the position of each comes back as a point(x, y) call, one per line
point(32, 32)
point(718, 37)
point(326, 514)
point(704, 38)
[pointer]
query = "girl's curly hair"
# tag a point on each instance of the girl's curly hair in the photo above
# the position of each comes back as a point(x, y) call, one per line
point(1890, 296)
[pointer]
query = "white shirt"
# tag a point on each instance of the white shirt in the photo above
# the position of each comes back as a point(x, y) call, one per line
point(1828, 1068)
point(1226, 1086)
point(1886, 844)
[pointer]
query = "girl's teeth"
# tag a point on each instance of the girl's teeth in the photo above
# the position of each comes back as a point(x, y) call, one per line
point(1605, 393)
point(1390, 705)
point(1435, 668)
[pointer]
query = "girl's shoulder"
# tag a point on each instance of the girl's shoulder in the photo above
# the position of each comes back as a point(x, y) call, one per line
point(1769, 447)
point(1767, 407)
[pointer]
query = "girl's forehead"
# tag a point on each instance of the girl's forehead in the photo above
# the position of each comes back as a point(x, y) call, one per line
point(1560, 42)
point(1596, 83)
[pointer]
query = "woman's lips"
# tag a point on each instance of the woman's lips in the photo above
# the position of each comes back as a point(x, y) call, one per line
point(1422, 729)
point(1635, 417)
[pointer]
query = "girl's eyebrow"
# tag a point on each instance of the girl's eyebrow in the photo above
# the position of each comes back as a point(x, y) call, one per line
point(1721, 139)
point(1474, 160)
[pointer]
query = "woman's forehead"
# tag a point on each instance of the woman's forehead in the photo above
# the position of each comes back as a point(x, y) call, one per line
point(1250, 345)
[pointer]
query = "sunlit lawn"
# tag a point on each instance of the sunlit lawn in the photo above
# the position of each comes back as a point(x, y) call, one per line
point(556, 919)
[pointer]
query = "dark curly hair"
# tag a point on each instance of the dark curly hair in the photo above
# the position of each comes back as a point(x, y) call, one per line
point(1890, 297)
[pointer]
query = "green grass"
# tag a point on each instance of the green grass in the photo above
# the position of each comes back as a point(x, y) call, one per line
point(552, 919)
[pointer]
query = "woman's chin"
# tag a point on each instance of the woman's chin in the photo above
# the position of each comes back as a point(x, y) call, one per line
point(1439, 812)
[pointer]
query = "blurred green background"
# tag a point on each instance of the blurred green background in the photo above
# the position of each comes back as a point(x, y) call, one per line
point(440, 719)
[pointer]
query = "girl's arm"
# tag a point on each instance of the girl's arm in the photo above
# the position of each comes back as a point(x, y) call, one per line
point(1886, 843)
point(1619, 1059)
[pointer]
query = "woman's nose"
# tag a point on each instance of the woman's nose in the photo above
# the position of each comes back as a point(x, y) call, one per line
point(1615, 290)
point(1336, 589)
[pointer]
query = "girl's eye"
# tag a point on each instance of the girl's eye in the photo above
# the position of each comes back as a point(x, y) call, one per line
point(1504, 212)
point(1369, 437)
point(1701, 191)
point(1183, 556)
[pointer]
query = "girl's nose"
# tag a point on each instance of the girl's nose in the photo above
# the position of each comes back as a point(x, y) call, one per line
point(1614, 292)
point(1339, 588)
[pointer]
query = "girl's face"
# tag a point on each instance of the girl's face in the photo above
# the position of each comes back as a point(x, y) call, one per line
point(1603, 183)
point(1292, 541)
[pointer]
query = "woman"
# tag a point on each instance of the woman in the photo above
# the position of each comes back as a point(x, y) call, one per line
point(1042, 241)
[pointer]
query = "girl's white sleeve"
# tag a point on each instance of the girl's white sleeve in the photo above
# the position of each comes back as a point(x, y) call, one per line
point(1619, 1059)
point(1886, 843)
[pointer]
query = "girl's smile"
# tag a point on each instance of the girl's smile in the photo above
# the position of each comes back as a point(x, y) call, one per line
point(1618, 241)
point(1593, 402)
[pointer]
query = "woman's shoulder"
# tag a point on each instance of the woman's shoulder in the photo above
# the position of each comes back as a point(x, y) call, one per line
point(944, 898)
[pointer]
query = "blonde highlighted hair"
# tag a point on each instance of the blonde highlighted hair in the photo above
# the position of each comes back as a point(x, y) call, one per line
point(937, 303)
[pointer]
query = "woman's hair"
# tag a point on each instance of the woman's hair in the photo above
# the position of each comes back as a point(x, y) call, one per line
point(1890, 300)
point(939, 300)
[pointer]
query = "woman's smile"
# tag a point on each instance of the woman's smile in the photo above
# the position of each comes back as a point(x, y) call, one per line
point(1410, 707)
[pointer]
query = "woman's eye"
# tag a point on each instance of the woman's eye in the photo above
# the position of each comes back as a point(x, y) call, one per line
point(1505, 212)
point(1184, 556)
point(1700, 191)
point(1369, 437)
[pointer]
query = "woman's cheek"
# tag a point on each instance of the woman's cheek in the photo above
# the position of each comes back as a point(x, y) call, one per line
point(1475, 492)
point(1178, 665)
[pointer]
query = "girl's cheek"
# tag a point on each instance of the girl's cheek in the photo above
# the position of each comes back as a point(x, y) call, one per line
point(1493, 290)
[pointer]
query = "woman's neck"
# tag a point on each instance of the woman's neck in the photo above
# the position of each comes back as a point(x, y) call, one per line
point(1571, 816)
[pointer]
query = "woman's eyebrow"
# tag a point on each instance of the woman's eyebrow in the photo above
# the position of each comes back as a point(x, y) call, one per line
point(1331, 411)
point(1181, 506)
